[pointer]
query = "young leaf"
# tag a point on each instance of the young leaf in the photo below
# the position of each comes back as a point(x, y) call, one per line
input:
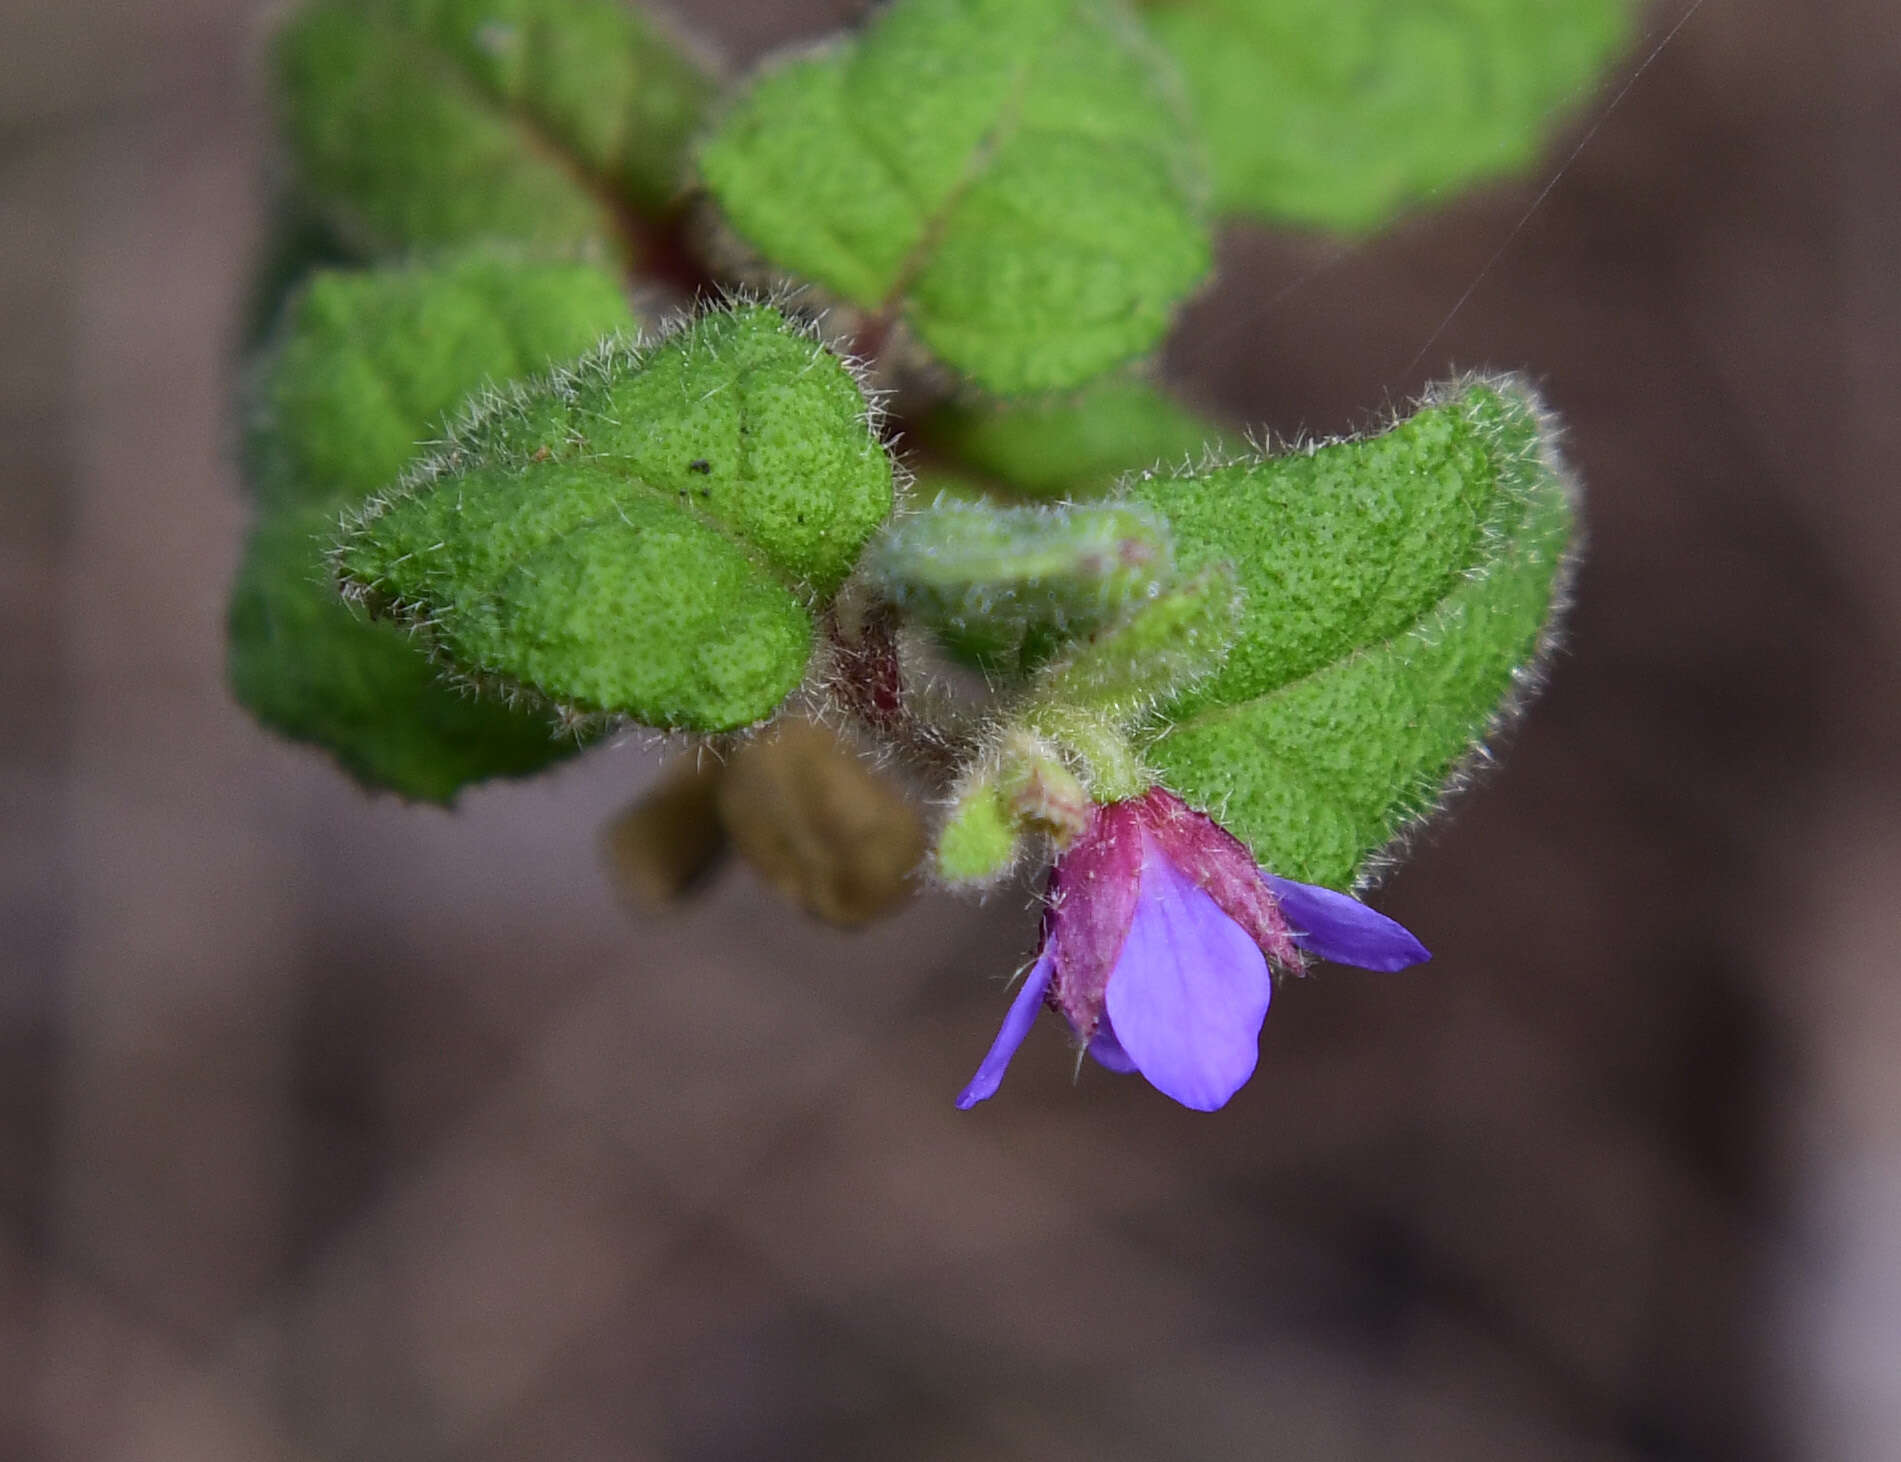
point(366, 365)
point(997, 583)
point(1399, 591)
point(425, 122)
point(1157, 653)
point(367, 362)
point(1075, 445)
point(645, 535)
point(1012, 178)
point(307, 667)
point(1340, 113)
point(295, 245)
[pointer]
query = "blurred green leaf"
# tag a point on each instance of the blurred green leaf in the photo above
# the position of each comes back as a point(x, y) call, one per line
point(419, 123)
point(1075, 445)
point(1338, 114)
point(307, 667)
point(1011, 178)
point(365, 365)
point(295, 245)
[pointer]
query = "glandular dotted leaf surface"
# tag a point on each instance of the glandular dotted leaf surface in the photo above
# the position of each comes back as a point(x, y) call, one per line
point(1014, 179)
point(649, 534)
point(1398, 592)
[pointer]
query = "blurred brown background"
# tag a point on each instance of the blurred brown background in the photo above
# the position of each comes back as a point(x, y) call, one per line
point(331, 1128)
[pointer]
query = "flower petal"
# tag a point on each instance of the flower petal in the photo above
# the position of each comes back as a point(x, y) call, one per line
point(1218, 861)
point(1189, 993)
point(1339, 927)
point(1108, 1050)
point(1016, 1025)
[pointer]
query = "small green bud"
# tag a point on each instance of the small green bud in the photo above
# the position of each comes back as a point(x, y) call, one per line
point(1044, 794)
point(980, 839)
point(1019, 786)
point(1001, 584)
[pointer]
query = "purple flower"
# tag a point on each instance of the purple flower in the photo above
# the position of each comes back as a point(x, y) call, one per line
point(1157, 942)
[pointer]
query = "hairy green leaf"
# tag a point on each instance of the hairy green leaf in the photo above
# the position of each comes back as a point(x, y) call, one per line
point(364, 366)
point(1011, 178)
point(1340, 113)
point(1399, 591)
point(647, 534)
point(1071, 446)
point(425, 122)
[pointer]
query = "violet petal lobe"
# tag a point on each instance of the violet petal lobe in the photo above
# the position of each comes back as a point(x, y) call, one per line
point(1217, 860)
point(1016, 1025)
point(1339, 927)
point(1107, 1050)
point(1189, 992)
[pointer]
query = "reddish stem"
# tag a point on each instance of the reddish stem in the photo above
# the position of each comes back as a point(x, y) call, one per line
point(869, 680)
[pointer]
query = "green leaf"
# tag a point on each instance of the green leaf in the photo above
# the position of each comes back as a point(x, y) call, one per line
point(295, 245)
point(418, 123)
point(1012, 178)
point(1072, 446)
point(307, 667)
point(648, 534)
point(364, 366)
point(1399, 591)
point(1002, 585)
point(366, 363)
point(1340, 113)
